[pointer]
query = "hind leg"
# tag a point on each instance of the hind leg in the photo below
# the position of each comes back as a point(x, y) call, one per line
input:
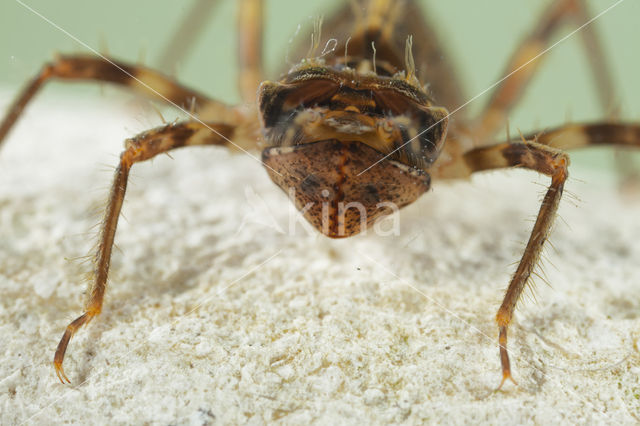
point(78, 68)
point(526, 60)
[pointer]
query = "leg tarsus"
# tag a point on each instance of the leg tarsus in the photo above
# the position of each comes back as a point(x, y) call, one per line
point(58, 358)
point(504, 358)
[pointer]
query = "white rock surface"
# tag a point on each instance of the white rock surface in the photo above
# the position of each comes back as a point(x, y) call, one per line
point(214, 316)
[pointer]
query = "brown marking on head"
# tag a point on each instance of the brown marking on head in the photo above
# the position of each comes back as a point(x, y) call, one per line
point(324, 181)
point(324, 126)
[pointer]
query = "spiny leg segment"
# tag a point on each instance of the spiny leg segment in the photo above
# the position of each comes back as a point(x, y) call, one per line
point(542, 153)
point(140, 148)
point(551, 162)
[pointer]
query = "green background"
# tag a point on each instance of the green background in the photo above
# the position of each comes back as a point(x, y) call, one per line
point(480, 35)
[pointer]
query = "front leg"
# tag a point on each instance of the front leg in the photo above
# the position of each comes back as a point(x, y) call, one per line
point(551, 162)
point(142, 147)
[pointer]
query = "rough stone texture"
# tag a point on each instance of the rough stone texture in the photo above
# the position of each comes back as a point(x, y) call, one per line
point(216, 313)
